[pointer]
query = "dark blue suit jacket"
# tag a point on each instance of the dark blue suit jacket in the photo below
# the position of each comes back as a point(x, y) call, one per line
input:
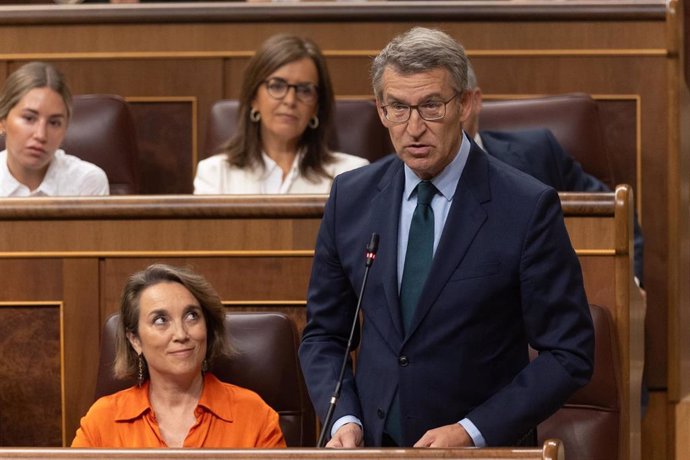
point(538, 153)
point(504, 276)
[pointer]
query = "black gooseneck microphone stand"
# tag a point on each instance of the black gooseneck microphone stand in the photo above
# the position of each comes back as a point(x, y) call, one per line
point(372, 247)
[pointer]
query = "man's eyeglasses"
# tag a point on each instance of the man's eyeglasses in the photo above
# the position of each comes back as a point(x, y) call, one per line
point(429, 111)
point(305, 92)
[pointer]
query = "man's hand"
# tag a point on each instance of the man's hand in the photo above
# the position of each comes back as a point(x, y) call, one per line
point(348, 436)
point(446, 436)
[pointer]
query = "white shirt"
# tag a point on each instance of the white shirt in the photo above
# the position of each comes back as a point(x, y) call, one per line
point(67, 175)
point(215, 175)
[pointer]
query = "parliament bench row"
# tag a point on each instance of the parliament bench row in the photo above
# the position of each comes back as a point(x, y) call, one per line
point(102, 131)
point(65, 260)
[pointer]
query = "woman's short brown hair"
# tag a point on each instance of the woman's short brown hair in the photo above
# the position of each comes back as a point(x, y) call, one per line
point(126, 359)
point(30, 76)
point(244, 148)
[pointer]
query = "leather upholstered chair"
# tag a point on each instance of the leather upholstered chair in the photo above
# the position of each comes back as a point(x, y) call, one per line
point(359, 131)
point(589, 423)
point(357, 128)
point(266, 362)
point(574, 121)
point(101, 132)
point(221, 125)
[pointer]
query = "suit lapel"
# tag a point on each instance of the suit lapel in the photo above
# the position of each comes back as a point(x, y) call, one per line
point(465, 218)
point(386, 217)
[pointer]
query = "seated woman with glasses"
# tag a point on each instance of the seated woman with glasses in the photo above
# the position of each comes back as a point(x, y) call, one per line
point(284, 117)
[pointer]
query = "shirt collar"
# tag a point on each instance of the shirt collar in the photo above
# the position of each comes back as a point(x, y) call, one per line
point(447, 180)
point(212, 399)
point(49, 186)
point(10, 186)
point(137, 403)
point(478, 140)
point(270, 164)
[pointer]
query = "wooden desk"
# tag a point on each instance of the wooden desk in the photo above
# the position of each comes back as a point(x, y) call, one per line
point(64, 262)
point(551, 450)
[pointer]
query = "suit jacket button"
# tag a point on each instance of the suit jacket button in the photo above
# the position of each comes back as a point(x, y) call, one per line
point(380, 413)
point(403, 361)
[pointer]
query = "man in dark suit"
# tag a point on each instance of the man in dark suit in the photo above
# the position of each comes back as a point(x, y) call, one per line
point(538, 153)
point(474, 264)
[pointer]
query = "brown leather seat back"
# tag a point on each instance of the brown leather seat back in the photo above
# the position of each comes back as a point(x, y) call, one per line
point(357, 128)
point(572, 118)
point(221, 125)
point(266, 362)
point(359, 131)
point(589, 423)
point(101, 132)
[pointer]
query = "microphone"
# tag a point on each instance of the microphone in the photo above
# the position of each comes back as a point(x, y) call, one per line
point(372, 248)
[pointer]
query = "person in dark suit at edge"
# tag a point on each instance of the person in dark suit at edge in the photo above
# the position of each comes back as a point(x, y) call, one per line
point(538, 153)
point(474, 264)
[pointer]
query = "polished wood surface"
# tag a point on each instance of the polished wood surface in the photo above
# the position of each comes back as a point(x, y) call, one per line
point(604, 247)
point(551, 450)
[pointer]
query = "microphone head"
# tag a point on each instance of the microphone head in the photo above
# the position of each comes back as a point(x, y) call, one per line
point(373, 245)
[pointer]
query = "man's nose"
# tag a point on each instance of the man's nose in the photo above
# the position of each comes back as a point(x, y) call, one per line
point(416, 125)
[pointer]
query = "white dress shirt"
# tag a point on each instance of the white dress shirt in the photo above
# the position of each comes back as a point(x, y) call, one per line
point(215, 176)
point(67, 175)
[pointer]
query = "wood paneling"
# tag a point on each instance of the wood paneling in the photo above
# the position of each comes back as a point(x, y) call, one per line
point(166, 134)
point(30, 375)
point(654, 428)
point(81, 294)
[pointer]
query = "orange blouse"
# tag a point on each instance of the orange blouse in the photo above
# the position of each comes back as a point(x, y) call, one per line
point(227, 416)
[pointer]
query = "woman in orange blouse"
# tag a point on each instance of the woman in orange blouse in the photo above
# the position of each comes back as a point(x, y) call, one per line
point(171, 328)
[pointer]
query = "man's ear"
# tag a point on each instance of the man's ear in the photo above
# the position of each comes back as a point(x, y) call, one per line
point(477, 99)
point(467, 106)
point(382, 117)
point(134, 341)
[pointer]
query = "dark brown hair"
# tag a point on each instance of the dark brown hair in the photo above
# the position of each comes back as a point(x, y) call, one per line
point(244, 148)
point(126, 359)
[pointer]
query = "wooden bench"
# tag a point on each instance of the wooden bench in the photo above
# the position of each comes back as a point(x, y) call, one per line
point(64, 262)
point(551, 450)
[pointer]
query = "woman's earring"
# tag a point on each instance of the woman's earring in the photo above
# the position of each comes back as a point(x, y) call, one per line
point(140, 375)
point(204, 366)
point(314, 122)
point(254, 115)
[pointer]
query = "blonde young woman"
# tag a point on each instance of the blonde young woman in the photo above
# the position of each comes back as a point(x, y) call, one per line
point(35, 109)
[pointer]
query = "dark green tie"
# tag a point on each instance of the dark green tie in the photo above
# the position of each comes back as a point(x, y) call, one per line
point(420, 251)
